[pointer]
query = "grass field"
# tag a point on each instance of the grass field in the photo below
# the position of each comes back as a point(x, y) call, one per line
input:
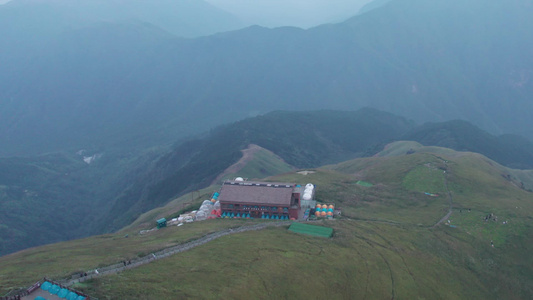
point(60, 260)
point(398, 192)
point(425, 179)
point(384, 245)
point(363, 260)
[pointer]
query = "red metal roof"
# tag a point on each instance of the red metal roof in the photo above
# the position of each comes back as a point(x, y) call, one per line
point(267, 193)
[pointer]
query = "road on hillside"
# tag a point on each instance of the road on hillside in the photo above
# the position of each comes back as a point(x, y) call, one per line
point(113, 269)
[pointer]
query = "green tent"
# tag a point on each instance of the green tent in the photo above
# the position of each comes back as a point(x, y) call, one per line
point(311, 229)
point(162, 223)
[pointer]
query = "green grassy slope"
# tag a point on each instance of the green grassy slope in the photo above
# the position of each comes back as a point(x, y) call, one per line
point(522, 178)
point(398, 191)
point(260, 164)
point(363, 260)
point(525, 177)
point(61, 260)
point(187, 202)
point(509, 150)
point(384, 245)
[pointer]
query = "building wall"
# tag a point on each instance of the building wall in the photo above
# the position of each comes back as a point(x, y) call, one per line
point(293, 213)
point(255, 210)
point(272, 204)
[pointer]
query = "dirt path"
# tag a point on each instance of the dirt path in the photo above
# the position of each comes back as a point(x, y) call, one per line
point(116, 268)
point(247, 155)
point(450, 200)
point(374, 246)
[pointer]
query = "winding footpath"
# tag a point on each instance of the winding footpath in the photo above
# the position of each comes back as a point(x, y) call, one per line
point(450, 200)
point(113, 269)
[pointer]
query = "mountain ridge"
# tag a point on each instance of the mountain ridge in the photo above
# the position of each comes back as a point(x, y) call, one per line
point(427, 63)
point(178, 17)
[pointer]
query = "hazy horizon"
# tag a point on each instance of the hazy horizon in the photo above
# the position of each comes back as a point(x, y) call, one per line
point(300, 13)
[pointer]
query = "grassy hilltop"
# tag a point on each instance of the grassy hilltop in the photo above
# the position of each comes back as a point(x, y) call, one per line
point(385, 245)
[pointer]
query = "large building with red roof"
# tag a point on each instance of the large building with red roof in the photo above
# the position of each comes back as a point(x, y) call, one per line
point(252, 199)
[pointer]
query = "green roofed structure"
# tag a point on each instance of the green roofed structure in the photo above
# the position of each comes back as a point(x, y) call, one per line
point(162, 223)
point(311, 230)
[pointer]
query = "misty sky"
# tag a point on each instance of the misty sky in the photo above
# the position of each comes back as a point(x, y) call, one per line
point(302, 13)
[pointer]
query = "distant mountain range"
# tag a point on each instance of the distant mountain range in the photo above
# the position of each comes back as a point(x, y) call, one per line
point(184, 18)
point(303, 14)
point(133, 84)
point(373, 5)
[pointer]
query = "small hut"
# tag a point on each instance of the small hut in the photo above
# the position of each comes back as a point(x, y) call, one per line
point(161, 223)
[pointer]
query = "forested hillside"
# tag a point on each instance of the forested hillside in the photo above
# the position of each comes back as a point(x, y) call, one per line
point(58, 197)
